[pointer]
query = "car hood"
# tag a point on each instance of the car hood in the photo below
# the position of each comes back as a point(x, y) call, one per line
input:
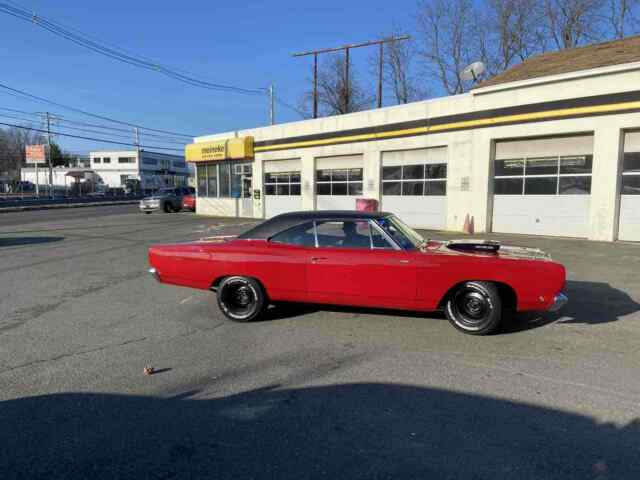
point(486, 248)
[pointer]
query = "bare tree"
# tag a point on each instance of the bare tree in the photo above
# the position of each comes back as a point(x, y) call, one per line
point(336, 95)
point(570, 23)
point(12, 148)
point(622, 17)
point(447, 45)
point(509, 31)
point(399, 59)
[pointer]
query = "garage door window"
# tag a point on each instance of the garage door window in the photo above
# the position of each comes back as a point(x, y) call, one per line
point(415, 180)
point(282, 183)
point(631, 174)
point(347, 181)
point(566, 175)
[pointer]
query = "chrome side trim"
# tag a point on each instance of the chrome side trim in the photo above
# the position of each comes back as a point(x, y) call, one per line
point(558, 302)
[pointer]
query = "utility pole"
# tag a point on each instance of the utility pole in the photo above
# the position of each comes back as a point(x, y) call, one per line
point(346, 80)
point(49, 155)
point(380, 64)
point(346, 49)
point(315, 85)
point(136, 134)
point(272, 112)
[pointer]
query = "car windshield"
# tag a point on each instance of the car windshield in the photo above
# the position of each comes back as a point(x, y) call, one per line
point(403, 234)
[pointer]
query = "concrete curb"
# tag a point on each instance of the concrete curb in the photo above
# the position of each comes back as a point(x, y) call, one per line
point(66, 205)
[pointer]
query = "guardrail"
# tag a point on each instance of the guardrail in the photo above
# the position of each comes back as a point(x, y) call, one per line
point(60, 201)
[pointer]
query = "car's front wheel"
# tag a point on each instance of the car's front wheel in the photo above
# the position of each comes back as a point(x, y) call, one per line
point(241, 299)
point(475, 308)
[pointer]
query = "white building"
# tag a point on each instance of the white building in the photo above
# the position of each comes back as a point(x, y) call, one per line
point(152, 169)
point(61, 176)
point(550, 147)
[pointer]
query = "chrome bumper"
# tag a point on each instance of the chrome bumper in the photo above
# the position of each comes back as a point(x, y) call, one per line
point(558, 302)
point(154, 273)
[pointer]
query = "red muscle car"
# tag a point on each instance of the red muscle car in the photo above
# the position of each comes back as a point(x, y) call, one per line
point(363, 259)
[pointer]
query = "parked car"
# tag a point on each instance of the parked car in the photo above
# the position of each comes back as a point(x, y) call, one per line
point(189, 202)
point(364, 259)
point(165, 200)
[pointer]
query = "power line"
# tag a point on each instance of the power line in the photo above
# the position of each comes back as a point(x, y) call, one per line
point(64, 119)
point(83, 112)
point(117, 135)
point(101, 140)
point(120, 54)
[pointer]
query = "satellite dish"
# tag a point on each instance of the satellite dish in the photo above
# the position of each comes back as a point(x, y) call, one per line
point(472, 72)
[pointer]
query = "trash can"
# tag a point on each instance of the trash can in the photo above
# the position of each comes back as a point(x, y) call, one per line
point(366, 205)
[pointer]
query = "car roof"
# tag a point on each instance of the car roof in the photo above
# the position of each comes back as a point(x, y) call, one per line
point(288, 220)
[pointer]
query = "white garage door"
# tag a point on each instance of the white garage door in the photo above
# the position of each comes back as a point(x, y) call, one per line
point(543, 186)
point(338, 182)
point(282, 187)
point(414, 186)
point(630, 191)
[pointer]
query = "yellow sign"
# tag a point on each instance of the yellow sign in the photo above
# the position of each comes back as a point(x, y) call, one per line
point(231, 149)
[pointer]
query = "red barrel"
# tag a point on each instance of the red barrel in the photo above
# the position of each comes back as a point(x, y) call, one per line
point(366, 205)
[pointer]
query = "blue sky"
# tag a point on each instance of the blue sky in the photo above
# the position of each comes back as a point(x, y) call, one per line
point(248, 44)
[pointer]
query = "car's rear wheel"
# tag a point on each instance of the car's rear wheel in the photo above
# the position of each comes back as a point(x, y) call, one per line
point(241, 299)
point(167, 207)
point(475, 308)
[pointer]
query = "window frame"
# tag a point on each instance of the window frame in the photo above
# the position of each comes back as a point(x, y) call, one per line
point(393, 245)
point(247, 170)
point(288, 183)
point(632, 175)
point(425, 179)
point(557, 176)
point(347, 182)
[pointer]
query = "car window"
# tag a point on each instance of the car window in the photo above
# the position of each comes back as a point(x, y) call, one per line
point(403, 235)
point(302, 235)
point(378, 240)
point(344, 234)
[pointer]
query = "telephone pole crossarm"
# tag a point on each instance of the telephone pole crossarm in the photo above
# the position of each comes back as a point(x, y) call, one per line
point(346, 49)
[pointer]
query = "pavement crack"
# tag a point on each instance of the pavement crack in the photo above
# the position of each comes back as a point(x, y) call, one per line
point(73, 354)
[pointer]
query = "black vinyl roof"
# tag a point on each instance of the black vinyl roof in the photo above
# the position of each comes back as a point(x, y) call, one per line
point(287, 220)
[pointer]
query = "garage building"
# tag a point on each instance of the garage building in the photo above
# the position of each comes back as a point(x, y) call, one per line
point(549, 147)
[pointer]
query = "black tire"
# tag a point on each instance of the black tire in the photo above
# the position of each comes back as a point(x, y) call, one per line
point(241, 299)
point(167, 207)
point(475, 308)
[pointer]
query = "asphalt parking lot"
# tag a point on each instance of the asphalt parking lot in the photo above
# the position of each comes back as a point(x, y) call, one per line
point(308, 393)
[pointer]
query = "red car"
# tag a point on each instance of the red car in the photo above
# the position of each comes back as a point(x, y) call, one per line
point(189, 202)
point(363, 259)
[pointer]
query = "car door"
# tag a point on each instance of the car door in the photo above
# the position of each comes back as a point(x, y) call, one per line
point(354, 264)
point(287, 255)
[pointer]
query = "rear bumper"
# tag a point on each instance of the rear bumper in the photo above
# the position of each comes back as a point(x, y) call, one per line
point(559, 301)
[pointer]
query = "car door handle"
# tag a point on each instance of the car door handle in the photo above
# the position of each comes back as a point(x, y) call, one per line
point(404, 261)
point(317, 259)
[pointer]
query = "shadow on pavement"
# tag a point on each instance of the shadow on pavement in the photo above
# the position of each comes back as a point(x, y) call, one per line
point(596, 302)
point(20, 241)
point(589, 303)
point(352, 431)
